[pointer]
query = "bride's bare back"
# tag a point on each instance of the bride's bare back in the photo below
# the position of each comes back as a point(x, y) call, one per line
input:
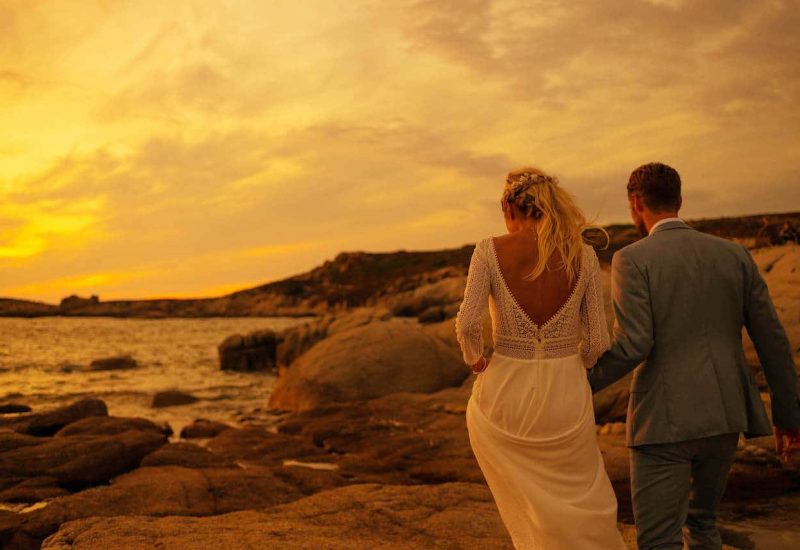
point(517, 255)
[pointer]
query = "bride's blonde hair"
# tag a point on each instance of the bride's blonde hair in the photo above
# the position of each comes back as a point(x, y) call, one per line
point(561, 222)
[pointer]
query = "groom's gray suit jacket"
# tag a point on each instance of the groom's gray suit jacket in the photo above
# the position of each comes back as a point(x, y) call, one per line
point(681, 298)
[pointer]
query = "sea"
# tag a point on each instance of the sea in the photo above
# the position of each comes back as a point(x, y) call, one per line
point(44, 360)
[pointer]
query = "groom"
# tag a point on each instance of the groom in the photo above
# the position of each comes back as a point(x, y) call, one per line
point(680, 299)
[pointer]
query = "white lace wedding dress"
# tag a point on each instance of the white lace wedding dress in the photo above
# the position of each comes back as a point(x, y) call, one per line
point(530, 416)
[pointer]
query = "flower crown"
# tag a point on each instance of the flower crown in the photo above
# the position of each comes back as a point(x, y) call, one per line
point(525, 181)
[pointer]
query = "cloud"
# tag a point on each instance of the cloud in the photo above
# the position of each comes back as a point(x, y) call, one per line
point(199, 146)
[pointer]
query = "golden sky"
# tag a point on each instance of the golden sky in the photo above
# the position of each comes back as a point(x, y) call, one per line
point(191, 148)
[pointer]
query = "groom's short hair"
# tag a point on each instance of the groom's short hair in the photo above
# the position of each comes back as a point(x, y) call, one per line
point(659, 186)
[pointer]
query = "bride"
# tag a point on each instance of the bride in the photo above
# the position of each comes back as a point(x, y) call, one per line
point(530, 417)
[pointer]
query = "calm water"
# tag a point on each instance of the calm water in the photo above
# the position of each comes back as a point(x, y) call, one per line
point(172, 354)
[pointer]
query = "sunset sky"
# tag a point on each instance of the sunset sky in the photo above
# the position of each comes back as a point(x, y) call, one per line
point(192, 148)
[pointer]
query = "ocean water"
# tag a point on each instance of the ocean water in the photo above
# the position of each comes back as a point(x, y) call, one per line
point(42, 362)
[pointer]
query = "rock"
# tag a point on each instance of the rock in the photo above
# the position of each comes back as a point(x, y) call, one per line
point(297, 340)
point(202, 427)
point(73, 301)
point(187, 455)
point(154, 491)
point(170, 398)
point(445, 331)
point(255, 351)
point(49, 422)
point(110, 425)
point(33, 490)
point(255, 444)
point(780, 267)
point(9, 439)
point(392, 356)
point(452, 515)
point(443, 292)
point(118, 362)
point(611, 404)
point(434, 314)
point(69, 367)
point(80, 461)
point(398, 438)
point(9, 408)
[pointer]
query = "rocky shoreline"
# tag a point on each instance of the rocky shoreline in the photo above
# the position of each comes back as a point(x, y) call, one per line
point(363, 444)
point(395, 471)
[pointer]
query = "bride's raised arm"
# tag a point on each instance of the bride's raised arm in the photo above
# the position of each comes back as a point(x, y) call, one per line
point(596, 339)
point(469, 321)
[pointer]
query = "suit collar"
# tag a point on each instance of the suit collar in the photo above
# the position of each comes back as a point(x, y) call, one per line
point(667, 225)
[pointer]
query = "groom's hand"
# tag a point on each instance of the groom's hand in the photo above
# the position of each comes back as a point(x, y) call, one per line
point(787, 441)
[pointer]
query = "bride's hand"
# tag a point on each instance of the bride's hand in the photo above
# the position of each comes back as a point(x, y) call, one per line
point(480, 365)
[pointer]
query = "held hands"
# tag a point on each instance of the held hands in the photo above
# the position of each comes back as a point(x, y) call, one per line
point(480, 365)
point(787, 441)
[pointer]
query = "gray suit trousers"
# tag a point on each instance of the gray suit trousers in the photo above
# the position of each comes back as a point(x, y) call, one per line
point(677, 484)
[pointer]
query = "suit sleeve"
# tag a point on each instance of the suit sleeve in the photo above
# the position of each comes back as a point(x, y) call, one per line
point(633, 324)
point(469, 320)
point(773, 349)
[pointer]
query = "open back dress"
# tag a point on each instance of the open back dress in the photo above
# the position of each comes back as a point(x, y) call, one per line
point(530, 416)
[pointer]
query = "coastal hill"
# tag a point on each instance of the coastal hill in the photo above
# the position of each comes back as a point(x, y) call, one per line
point(354, 279)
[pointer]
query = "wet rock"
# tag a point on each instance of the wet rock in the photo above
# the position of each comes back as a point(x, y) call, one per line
point(118, 362)
point(10, 408)
point(255, 351)
point(202, 427)
point(66, 366)
point(49, 422)
point(109, 425)
point(80, 461)
point(392, 356)
point(453, 515)
point(171, 398)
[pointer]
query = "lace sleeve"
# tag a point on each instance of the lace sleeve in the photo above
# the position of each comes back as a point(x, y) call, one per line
point(469, 321)
point(595, 337)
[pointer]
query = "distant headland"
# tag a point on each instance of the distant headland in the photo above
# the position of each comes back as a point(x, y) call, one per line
point(354, 279)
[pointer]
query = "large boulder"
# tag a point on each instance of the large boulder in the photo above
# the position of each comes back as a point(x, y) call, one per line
point(445, 294)
point(255, 351)
point(297, 340)
point(368, 361)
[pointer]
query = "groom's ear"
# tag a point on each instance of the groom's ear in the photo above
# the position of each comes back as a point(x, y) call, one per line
point(636, 202)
